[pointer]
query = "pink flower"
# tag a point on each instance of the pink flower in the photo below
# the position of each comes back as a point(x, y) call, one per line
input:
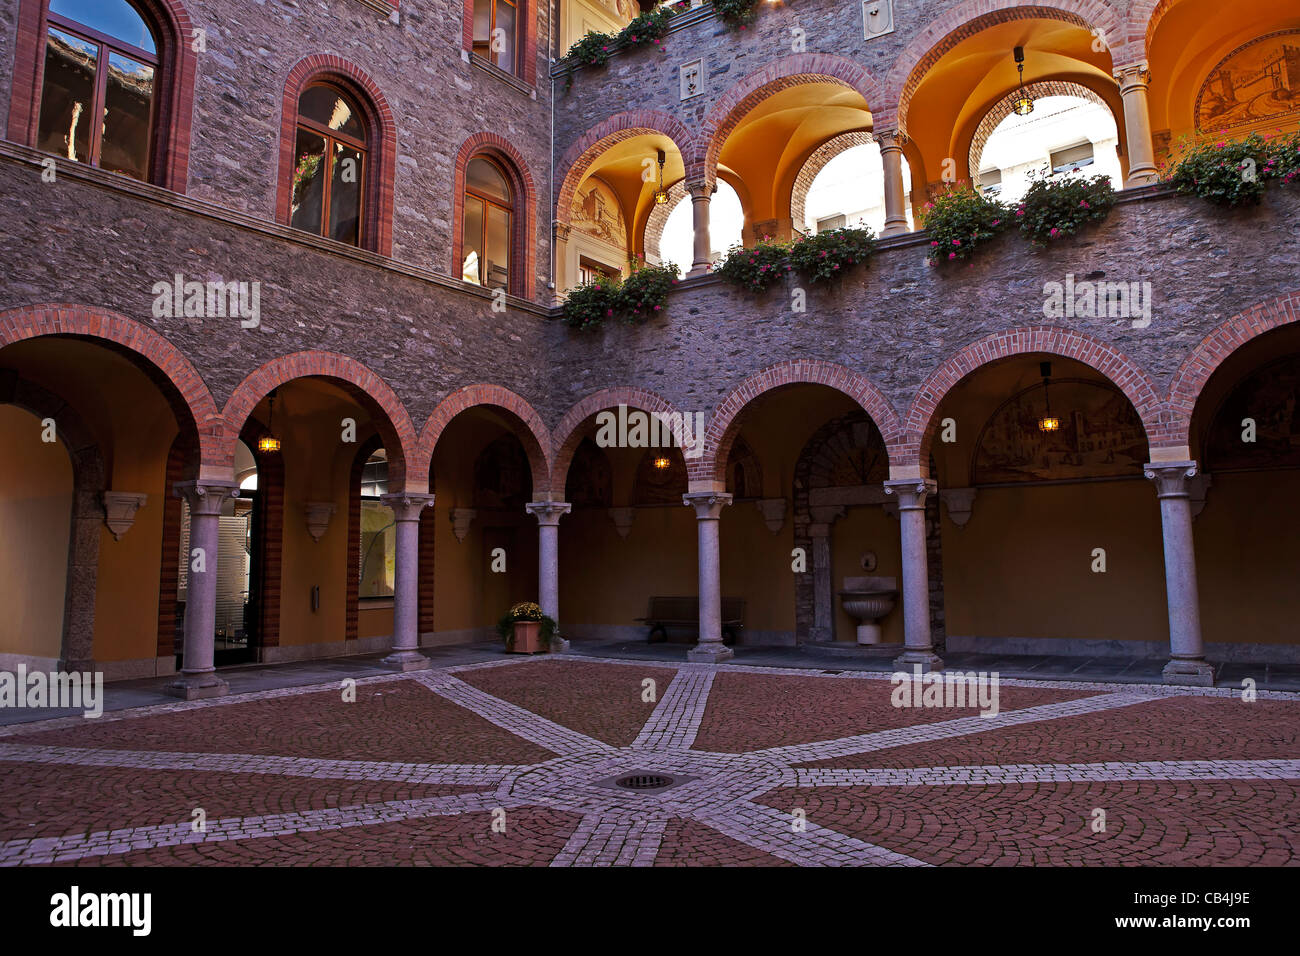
point(1053, 232)
point(1084, 204)
point(956, 242)
point(935, 243)
point(997, 222)
point(952, 255)
point(1020, 211)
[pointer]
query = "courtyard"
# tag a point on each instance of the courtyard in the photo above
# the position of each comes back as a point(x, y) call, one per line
point(509, 761)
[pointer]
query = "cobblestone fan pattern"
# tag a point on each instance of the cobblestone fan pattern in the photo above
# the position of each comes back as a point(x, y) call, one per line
point(517, 764)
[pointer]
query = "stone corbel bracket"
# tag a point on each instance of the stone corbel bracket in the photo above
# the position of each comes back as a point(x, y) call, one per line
point(773, 510)
point(461, 518)
point(318, 515)
point(119, 510)
point(622, 518)
point(960, 503)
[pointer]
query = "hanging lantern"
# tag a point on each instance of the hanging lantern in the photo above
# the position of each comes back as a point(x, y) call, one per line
point(661, 463)
point(661, 194)
point(268, 443)
point(1049, 422)
point(1024, 104)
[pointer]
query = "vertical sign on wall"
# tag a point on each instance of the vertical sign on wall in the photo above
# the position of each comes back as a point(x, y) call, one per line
point(692, 78)
point(877, 18)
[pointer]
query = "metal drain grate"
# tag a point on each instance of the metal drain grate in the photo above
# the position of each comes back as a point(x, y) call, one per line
point(644, 781)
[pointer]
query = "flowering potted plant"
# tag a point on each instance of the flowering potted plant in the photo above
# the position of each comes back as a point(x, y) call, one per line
point(526, 630)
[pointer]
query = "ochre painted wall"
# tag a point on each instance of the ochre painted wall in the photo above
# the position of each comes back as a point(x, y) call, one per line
point(35, 519)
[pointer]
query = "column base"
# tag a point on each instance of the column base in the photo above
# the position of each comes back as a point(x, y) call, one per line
point(559, 645)
point(927, 660)
point(895, 229)
point(407, 661)
point(710, 653)
point(197, 686)
point(1191, 673)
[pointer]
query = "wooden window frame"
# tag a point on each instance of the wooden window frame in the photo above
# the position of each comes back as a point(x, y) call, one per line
point(332, 136)
point(491, 201)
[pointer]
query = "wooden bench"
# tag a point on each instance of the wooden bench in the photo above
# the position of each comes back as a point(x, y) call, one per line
point(684, 612)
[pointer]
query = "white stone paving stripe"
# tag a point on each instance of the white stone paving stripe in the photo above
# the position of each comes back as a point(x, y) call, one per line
point(676, 721)
point(994, 774)
point(472, 775)
point(522, 723)
point(107, 842)
point(606, 840)
point(942, 730)
point(773, 831)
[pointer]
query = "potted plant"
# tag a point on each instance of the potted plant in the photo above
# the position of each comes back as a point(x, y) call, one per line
point(526, 630)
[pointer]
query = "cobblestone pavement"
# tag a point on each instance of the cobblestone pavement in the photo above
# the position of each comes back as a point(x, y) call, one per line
point(515, 763)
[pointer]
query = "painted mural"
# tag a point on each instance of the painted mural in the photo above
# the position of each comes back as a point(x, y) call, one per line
point(1257, 82)
point(596, 213)
point(1100, 436)
point(1268, 397)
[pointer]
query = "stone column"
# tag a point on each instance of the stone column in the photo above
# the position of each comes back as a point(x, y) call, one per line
point(1133, 81)
point(823, 517)
point(406, 509)
point(918, 646)
point(548, 514)
point(1187, 663)
point(891, 157)
point(198, 677)
point(701, 193)
point(708, 507)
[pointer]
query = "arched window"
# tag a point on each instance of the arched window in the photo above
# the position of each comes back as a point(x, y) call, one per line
point(489, 225)
point(329, 165)
point(101, 61)
point(496, 38)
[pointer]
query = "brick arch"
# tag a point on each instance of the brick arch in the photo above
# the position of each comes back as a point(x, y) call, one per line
point(89, 480)
point(726, 419)
point(793, 70)
point(966, 19)
point(1006, 106)
point(1144, 17)
point(369, 390)
point(178, 63)
point(814, 164)
point(568, 434)
point(1215, 349)
point(629, 124)
point(522, 244)
point(529, 429)
point(1101, 357)
point(169, 369)
point(381, 129)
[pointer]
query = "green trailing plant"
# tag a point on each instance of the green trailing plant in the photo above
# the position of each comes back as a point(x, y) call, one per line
point(828, 255)
point(1056, 207)
point(642, 294)
point(737, 14)
point(960, 220)
point(639, 297)
point(648, 29)
point(591, 49)
point(1233, 172)
point(526, 611)
point(589, 305)
point(755, 268)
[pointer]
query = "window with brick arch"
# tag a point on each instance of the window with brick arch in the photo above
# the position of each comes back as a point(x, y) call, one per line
point(489, 225)
point(496, 33)
point(98, 95)
point(329, 165)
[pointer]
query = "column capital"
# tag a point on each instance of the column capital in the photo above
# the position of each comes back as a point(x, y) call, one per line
point(561, 230)
point(708, 505)
point(406, 505)
point(911, 492)
point(1132, 76)
point(889, 138)
point(1172, 478)
point(205, 496)
point(548, 513)
point(701, 189)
